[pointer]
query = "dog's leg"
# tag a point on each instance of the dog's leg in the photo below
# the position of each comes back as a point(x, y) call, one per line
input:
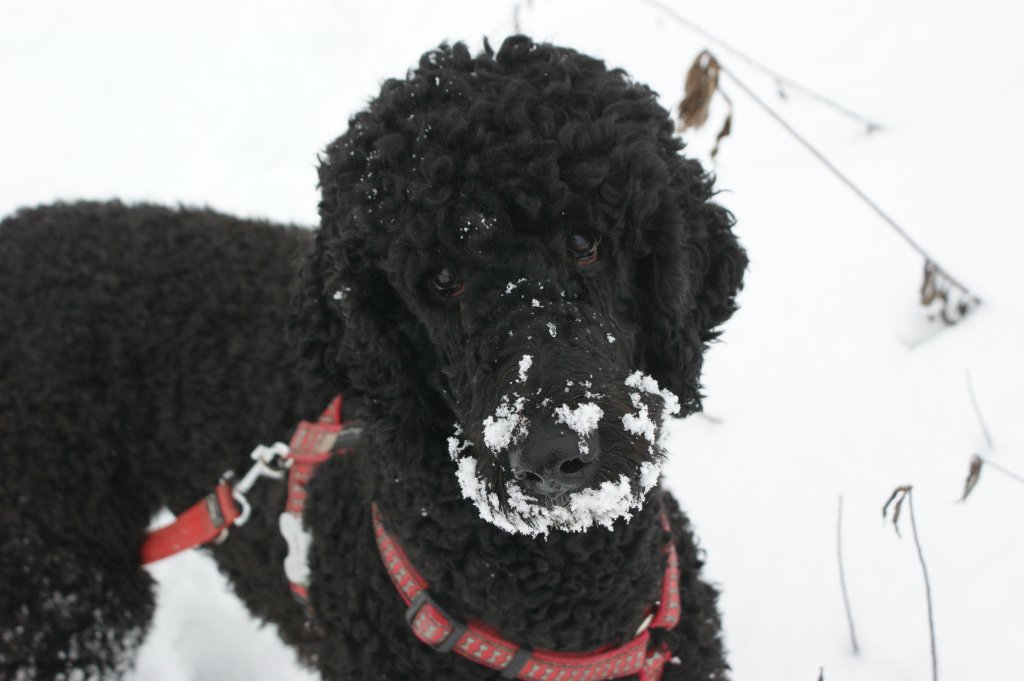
point(69, 608)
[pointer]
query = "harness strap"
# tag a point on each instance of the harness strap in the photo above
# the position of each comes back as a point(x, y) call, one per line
point(440, 630)
point(312, 443)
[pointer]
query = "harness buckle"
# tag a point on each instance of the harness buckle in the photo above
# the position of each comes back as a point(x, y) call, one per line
point(422, 599)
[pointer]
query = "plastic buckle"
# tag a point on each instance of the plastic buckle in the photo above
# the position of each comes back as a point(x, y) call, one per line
point(458, 626)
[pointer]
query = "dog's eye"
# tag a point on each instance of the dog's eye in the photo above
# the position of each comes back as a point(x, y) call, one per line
point(582, 248)
point(447, 283)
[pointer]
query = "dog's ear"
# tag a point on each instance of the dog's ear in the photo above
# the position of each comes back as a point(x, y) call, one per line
point(348, 321)
point(314, 327)
point(690, 276)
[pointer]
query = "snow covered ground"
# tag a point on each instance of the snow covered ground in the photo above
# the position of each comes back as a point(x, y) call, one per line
point(813, 390)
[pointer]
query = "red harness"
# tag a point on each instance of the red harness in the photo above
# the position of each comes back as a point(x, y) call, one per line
point(312, 444)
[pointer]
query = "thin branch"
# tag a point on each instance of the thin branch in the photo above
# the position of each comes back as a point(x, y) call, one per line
point(1005, 471)
point(901, 494)
point(780, 80)
point(977, 411)
point(845, 180)
point(978, 459)
point(927, 586)
point(842, 576)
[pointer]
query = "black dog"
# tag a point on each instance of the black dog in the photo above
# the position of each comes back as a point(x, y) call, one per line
point(513, 270)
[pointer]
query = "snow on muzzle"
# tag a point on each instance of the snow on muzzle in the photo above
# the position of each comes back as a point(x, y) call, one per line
point(568, 456)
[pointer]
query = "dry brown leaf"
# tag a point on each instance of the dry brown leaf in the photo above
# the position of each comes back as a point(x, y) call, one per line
point(973, 475)
point(724, 132)
point(955, 302)
point(929, 290)
point(701, 85)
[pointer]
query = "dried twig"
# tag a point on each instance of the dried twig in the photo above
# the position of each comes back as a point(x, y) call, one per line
point(842, 576)
point(781, 82)
point(901, 493)
point(977, 411)
point(516, 13)
point(978, 461)
point(1005, 471)
point(939, 284)
point(898, 495)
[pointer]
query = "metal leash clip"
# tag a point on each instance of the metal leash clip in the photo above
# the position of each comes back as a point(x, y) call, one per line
point(270, 462)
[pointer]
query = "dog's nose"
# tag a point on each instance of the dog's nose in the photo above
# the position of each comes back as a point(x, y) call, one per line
point(553, 460)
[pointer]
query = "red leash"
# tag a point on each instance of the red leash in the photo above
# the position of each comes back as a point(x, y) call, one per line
point(202, 523)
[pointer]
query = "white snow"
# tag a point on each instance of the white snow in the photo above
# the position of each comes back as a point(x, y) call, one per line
point(524, 367)
point(583, 510)
point(649, 474)
point(552, 329)
point(641, 424)
point(646, 384)
point(582, 419)
point(456, 446)
point(812, 390)
point(511, 286)
point(507, 426)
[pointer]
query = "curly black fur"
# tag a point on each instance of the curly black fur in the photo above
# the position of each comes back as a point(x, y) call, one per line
point(145, 354)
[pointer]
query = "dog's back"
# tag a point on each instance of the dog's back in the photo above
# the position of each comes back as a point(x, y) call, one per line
point(143, 352)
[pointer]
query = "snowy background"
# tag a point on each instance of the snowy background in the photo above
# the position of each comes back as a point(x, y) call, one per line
point(814, 388)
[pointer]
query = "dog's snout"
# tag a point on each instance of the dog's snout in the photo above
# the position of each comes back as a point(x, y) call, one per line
point(553, 460)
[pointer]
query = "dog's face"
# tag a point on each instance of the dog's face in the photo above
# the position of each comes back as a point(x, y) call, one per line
point(514, 237)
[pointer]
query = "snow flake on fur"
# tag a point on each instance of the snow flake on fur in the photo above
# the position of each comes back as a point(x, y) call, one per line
point(507, 426)
point(512, 286)
point(641, 424)
point(524, 367)
point(455, 445)
point(582, 420)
